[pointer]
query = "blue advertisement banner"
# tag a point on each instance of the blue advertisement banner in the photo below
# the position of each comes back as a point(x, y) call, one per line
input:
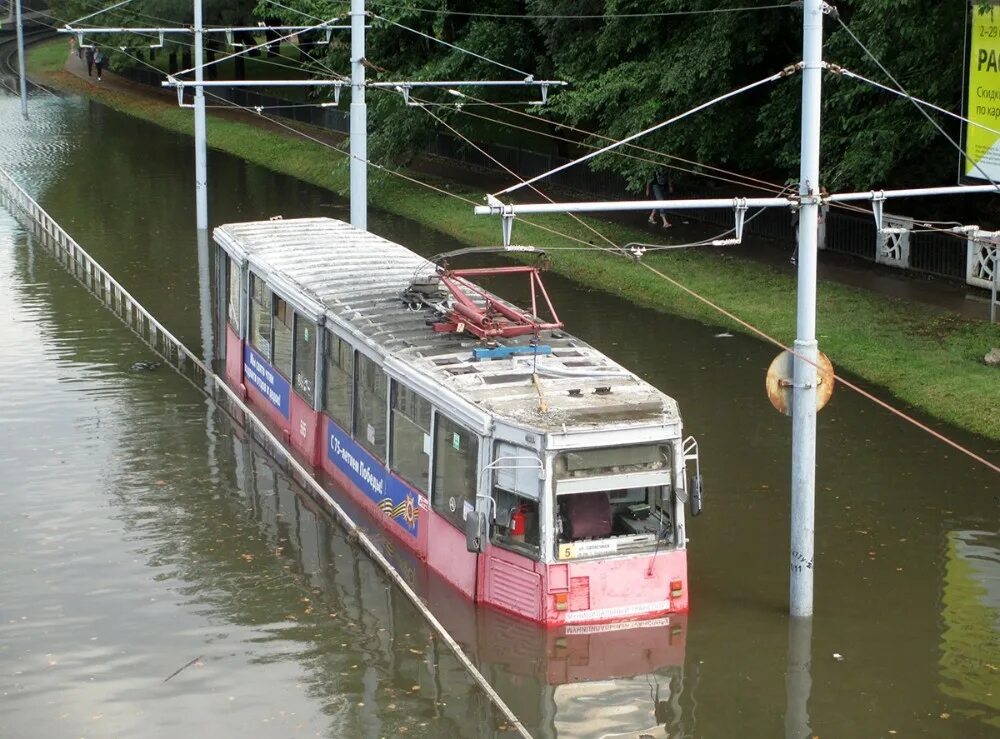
point(265, 379)
point(397, 500)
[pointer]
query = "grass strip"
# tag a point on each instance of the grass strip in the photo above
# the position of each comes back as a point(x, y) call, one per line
point(928, 359)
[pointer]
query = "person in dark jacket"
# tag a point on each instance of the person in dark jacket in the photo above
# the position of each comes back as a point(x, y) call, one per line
point(658, 187)
point(90, 60)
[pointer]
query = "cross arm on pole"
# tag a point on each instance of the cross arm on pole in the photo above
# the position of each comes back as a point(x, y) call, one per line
point(452, 85)
point(496, 207)
point(174, 82)
point(508, 211)
point(915, 192)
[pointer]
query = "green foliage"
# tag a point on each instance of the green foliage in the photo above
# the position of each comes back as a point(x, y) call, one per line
point(629, 73)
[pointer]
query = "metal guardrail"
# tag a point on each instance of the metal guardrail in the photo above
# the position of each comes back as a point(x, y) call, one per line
point(103, 286)
point(122, 304)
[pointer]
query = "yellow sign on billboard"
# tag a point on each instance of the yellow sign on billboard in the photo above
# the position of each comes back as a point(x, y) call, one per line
point(982, 145)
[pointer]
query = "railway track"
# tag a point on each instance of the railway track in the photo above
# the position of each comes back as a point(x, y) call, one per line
point(8, 57)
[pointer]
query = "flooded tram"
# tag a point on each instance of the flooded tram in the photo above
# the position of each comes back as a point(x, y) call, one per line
point(532, 472)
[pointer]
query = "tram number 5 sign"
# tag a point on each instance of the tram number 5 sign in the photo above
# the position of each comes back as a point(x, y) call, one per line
point(982, 142)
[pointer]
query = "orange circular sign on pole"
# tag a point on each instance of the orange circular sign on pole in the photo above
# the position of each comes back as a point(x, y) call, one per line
point(779, 381)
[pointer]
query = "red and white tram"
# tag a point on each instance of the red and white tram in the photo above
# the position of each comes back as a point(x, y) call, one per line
point(529, 470)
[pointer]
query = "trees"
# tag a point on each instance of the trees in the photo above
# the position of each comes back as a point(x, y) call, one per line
point(633, 63)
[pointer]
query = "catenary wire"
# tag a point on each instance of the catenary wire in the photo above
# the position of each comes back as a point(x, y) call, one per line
point(336, 74)
point(603, 16)
point(769, 338)
point(836, 69)
point(913, 100)
point(750, 327)
point(511, 172)
point(662, 124)
point(179, 42)
point(451, 46)
point(764, 185)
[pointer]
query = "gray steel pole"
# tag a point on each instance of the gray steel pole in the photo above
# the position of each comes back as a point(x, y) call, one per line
point(804, 373)
point(359, 119)
point(20, 60)
point(996, 283)
point(200, 145)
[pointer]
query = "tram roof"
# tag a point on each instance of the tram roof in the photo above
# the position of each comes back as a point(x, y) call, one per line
point(357, 279)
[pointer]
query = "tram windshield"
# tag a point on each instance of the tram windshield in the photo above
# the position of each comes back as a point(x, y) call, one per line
point(613, 500)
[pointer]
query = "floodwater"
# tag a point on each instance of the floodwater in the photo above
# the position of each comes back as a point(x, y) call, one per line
point(142, 534)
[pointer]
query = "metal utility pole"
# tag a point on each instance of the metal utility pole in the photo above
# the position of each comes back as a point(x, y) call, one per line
point(200, 145)
point(806, 347)
point(359, 119)
point(20, 60)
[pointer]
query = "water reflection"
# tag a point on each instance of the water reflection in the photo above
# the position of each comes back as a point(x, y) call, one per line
point(565, 682)
point(798, 678)
point(970, 646)
point(118, 522)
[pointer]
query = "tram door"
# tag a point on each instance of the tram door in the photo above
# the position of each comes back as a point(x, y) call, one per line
point(453, 498)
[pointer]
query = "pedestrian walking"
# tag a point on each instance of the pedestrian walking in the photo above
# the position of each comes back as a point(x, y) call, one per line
point(90, 60)
point(658, 186)
point(99, 62)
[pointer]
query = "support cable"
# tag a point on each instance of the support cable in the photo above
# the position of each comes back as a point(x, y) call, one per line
point(186, 44)
point(603, 16)
point(836, 69)
point(692, 293)
point(451, 46)
point(266, 43)
point(497, 162)
point(98, 12)
point(850, 385)
point(698, 108)
point(913, 100)
point(750, 181)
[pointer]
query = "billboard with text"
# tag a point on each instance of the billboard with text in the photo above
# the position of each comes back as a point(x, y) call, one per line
point(982, 134)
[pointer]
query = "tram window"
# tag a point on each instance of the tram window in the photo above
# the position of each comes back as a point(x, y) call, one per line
point(233, 297)
point(411, 429)
point(370, 405)
point(456, 454)
point(260, 316)
point(338, 396)
point(283, 316)
point(305, 357)
point(516, 523)
point(636, 517)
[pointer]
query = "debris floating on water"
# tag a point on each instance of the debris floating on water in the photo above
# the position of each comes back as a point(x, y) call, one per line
point(143, 366)
point(178, 671)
